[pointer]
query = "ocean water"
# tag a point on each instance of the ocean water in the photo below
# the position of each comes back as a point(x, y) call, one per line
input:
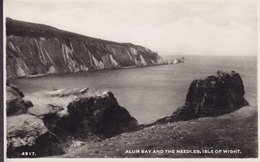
point(149, 93)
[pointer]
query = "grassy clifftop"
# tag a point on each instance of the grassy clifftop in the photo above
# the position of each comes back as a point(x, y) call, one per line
point(235, 134)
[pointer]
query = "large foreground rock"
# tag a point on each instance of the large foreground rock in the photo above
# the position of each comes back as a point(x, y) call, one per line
point(102, 115)
point(63, 120)
point(91, 114)
point(213, 96)
point(27, 133)
point(15, 104)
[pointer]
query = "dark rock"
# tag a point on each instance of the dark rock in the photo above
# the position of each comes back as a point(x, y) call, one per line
point(15, 88)
point(89, 115)
point(102, 115)
point(15, 104)
point(213, 96)
point(63, 120)
point(216, 95)
point(81, 115)
point(92, 117)
point(27, 133)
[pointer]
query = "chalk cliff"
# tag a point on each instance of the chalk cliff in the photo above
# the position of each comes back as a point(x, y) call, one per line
point(36, 49)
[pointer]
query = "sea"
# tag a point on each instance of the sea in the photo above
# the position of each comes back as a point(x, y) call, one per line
point(151, 92)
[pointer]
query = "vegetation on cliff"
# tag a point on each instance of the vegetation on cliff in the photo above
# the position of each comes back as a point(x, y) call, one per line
point(36, 49)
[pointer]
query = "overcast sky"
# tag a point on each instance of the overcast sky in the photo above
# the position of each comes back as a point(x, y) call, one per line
point(169, 27)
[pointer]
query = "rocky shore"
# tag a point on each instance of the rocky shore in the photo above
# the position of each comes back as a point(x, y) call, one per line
point(64, 119)
point(90, 123)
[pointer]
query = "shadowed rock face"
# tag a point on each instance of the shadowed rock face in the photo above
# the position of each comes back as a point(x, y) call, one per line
point(213, 96)
point(101, 115)
point(90, 117)
point(15, 104)
point(216, 95)
point(34, 49)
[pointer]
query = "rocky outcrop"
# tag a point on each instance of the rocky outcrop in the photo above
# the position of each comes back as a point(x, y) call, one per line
point(26, 134)
point(90, 115)
point(35, 49)
point(101, 115)
point(65, 119)
point(15, 104)
point(213, 96)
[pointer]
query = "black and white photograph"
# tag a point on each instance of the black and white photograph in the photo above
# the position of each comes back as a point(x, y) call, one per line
point(135, 79)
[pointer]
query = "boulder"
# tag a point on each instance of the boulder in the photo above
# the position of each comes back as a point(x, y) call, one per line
point(27, 134)
point(15, 104)
point(101, 115)
point(90, 116)
point(213, 96)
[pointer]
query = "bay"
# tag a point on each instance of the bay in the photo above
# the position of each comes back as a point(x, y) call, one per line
point(152, 92)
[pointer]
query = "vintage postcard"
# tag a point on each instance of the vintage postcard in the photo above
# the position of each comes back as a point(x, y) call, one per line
point(135, 79)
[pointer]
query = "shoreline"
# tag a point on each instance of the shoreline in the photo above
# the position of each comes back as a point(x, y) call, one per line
point(43, 75)
point(109, 130)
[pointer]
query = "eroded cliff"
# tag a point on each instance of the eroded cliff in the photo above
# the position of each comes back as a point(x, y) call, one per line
point(35, 49)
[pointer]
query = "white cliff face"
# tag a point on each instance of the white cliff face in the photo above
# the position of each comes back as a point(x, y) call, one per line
point(11, 45)
point(113, 61)
point(133, 51)
point(136, 62)
point(153, 62)
point(130, 55)
point(84, 68)
point(41, 50)
point(52, 70)
point(37, 54)
point(41, 54)
point(143, 62)
point(67, 55)
point(21, 67)
point(98, 64)
point(20, 72)
point(110, 62)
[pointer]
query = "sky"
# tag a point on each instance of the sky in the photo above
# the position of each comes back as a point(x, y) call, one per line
point(169, 27)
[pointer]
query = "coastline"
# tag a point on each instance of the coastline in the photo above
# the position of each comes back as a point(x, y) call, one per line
point(110, 130)
point(53, 74)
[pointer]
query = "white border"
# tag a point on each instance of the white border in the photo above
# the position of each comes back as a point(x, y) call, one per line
point(124, 159)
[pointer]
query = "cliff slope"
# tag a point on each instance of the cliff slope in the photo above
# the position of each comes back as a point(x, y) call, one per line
point(36, 49)
point(234, 135)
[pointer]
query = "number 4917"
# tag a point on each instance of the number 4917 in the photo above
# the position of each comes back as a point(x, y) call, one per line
point(25, 153)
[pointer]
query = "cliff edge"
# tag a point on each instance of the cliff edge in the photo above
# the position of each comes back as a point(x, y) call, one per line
point(36, 49)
